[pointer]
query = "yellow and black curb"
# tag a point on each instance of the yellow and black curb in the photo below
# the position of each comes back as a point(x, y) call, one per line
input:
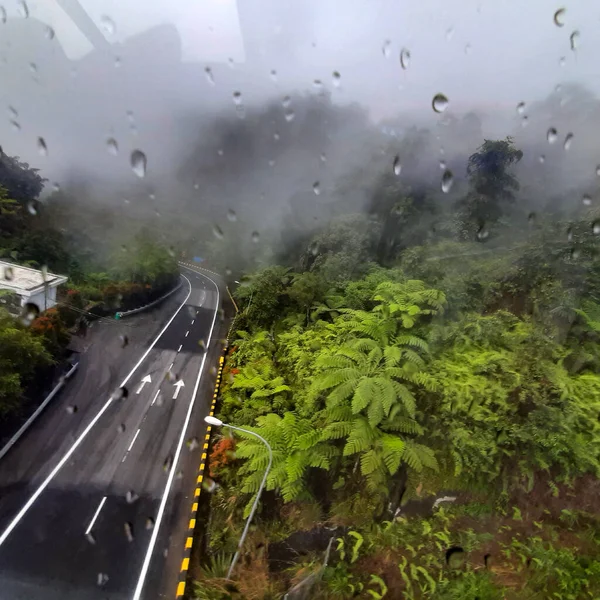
point(189, 540)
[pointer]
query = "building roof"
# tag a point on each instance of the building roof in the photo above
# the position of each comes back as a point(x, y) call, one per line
point(26, 281)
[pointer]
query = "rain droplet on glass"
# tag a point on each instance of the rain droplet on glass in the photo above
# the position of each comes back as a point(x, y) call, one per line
point(447, 181)
point(449, 33)
point(397, 165)
point(531, 218)
point(323, 158)
point(551, 135)
point(586, 200)
point(520, 108)
point(316, 188)
point(568, 141)
point(218, 232)
point(49, 32)
point(598, 171)
point(483, 233)
point(255, 237)
point(2, 14)
point(112, 146)
point(289, 115)
point(336, 79)
point(231, 215)
point(138, 163)
point(209, 75)
point(276, 136)
point(596, 227)
point(107, 25)
point(41, 146)
point(273, 75)
point(439, 103)
point(23, 9)
point(386, 48)
point(574, 39)
point(559, 16)
point(13, 112)
point(318, 85)
point(542, 159)
point(405, 58)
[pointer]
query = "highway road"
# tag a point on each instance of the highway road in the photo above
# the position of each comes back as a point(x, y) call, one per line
point(94, 498)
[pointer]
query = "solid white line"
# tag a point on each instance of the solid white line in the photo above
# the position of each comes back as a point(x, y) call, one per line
point(170, 367)
point(187, 333)
point(155, 397)
point(95, 515)
point(180, 347)
point(84, 433)
point(163, 503)
point(133, 441)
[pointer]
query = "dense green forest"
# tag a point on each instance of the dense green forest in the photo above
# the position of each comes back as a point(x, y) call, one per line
point(409, 352)
point(32, 233)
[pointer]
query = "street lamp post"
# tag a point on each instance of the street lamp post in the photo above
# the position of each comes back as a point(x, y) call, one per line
point(218, 423)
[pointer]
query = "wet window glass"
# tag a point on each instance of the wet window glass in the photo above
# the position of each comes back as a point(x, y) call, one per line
point(299, 300)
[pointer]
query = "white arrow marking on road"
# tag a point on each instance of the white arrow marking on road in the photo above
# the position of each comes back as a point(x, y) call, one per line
point(178, 386)
point(144, 382)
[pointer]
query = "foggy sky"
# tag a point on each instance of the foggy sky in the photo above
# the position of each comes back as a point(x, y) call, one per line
point(144, 83)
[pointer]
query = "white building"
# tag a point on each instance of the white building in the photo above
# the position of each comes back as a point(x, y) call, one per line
point(30, 285)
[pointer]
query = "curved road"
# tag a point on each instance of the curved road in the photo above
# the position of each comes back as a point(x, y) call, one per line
point(93, 497)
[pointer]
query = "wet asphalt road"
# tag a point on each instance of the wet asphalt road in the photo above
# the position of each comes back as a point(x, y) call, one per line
point(98, 463)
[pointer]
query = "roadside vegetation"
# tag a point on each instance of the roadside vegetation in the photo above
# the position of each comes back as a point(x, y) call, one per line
point(125, 276)
point(423, 350)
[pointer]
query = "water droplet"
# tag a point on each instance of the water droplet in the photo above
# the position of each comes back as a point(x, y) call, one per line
point(318, 84)
point(90, 538)
point(289, 115)
point(107, 25)
point(120, 393)
point(276, 136)
point(112, 146)
point(449, 33)
point(439, 103)
point(31, 207)
point(102, 579)
point(228, 271)
point(149, 523)
point(218, 232)
point(323, 158)
point(131, 496)
point(574, 39)
point(287, 101)
point(559, 16)
point(531, 218)
point(8, 273)
point(13, 112)
point(49, 32)
point(55, 187)
point(209, 75)
point(33, 68)
point(271, 163)
point(562, 61)
point(568, 141)
point(273, 75)
point(551, 135)
point(569, 235)
point(542, 159)
point(447, 181)
point(128, 529)
point(2, 14)
point(130, 116)
point(586, 200)
point(575, 254)
point(397, 165)
point(520, 108)
point(15, 126)
point(443, 165)
point(405, 58)
point(71, 409)
point(468, 49)
point(117, 61)
point(483, 233)
point(255, 237)
point(138, 163)
point(41, 146)
point(598, 171)
point(121, 428)
point(28, 314)
point(596, 227)
point(316, 188)
point(387, 48)
point(23, 9)
point(231, 215)
point(220, 153)
point(525, 121)
point(336, 79)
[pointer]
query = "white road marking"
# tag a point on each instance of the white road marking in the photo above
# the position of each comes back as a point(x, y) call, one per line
point(163, 503)
point(156, 396)
point(133, 440)
point(170, 367)
point(89, 528)
point(84, 433)
point(187, 333)
point(180, 347)
point(193, 321)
